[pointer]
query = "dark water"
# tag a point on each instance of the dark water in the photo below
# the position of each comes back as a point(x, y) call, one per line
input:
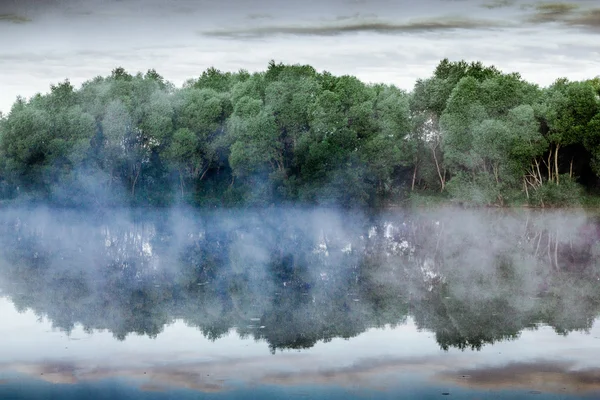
point(307, 304)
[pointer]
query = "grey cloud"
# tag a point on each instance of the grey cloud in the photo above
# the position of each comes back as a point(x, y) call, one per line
point(259, 16)
point(212, 376)
point(202, 376)
point(553, 12)
point(78, 57)
point(361, 371)
point(331, 29)
point(591, 19)
point(355, 16)
point(14, 18)
point(568, 14)
point(498, 4)
point(541, 375)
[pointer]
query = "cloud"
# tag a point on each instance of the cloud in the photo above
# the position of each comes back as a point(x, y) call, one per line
point(349, 26)
point(568, 14)
point(355, 16)
point(259, 16)
point(591, 19)
point(213, 376)
point(498, 4)
point(553, 12)
point(542, 375)
point(14, 18)
point(363, 372)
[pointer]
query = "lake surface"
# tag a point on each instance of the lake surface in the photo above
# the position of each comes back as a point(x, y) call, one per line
point(308, 304)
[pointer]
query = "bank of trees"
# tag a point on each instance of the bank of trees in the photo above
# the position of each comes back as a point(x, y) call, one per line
point(291, 134)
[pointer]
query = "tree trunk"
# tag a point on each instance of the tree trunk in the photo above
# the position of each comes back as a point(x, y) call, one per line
point(414, 178)
point(279, 165)
point(495, 169)
point(556, 162)
point(501, 200)
point(181, 182)
point(204, 173)
point(537, 164)
point(525, 184)
point(571, 169)
point(549, 165)
point(135, 181)
point(437, 166)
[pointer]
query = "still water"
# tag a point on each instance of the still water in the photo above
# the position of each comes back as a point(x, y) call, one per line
point(308, 304)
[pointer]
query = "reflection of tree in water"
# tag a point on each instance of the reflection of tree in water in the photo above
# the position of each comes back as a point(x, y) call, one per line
point(294, 278)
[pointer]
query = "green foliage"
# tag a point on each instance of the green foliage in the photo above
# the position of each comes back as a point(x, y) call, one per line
point(527, 141)
point(592, 142)
point(568, 194)
point(469, 132)
point(279, 71)
point(216, 80)
point(479, 190)
point(570, 108)
point(290, 99)
point(424, 199)
point(255, 135)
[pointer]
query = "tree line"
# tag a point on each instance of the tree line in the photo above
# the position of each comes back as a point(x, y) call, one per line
point(469, 133)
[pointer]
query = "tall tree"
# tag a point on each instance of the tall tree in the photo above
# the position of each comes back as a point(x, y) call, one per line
point(570, 106)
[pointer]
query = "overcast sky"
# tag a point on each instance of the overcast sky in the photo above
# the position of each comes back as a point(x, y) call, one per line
point(391, 41)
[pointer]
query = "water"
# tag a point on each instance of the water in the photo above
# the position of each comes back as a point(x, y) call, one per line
point(304, 304)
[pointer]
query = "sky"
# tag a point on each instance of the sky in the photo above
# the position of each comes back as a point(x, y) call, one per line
point(388, 41)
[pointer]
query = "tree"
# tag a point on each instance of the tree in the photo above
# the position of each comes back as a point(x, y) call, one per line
point(570, 106)
point(216, 80)
point(201, 116)
point(463, 112)
point(255, 135)
point(117, 126)
point(290, 98)
point(429, 100)
point(290, 133)
point(44, 141)
point(25, 135)
point(184, 154)
point(390, 147)
point(527, 146)
point(592, 142)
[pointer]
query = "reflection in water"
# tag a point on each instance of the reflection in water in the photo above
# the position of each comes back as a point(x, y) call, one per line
point(555, 376)
point(296, 278)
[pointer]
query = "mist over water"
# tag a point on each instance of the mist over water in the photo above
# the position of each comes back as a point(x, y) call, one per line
point(297, 279)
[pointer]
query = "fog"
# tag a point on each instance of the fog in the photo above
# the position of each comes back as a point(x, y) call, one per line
point(294, 277)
